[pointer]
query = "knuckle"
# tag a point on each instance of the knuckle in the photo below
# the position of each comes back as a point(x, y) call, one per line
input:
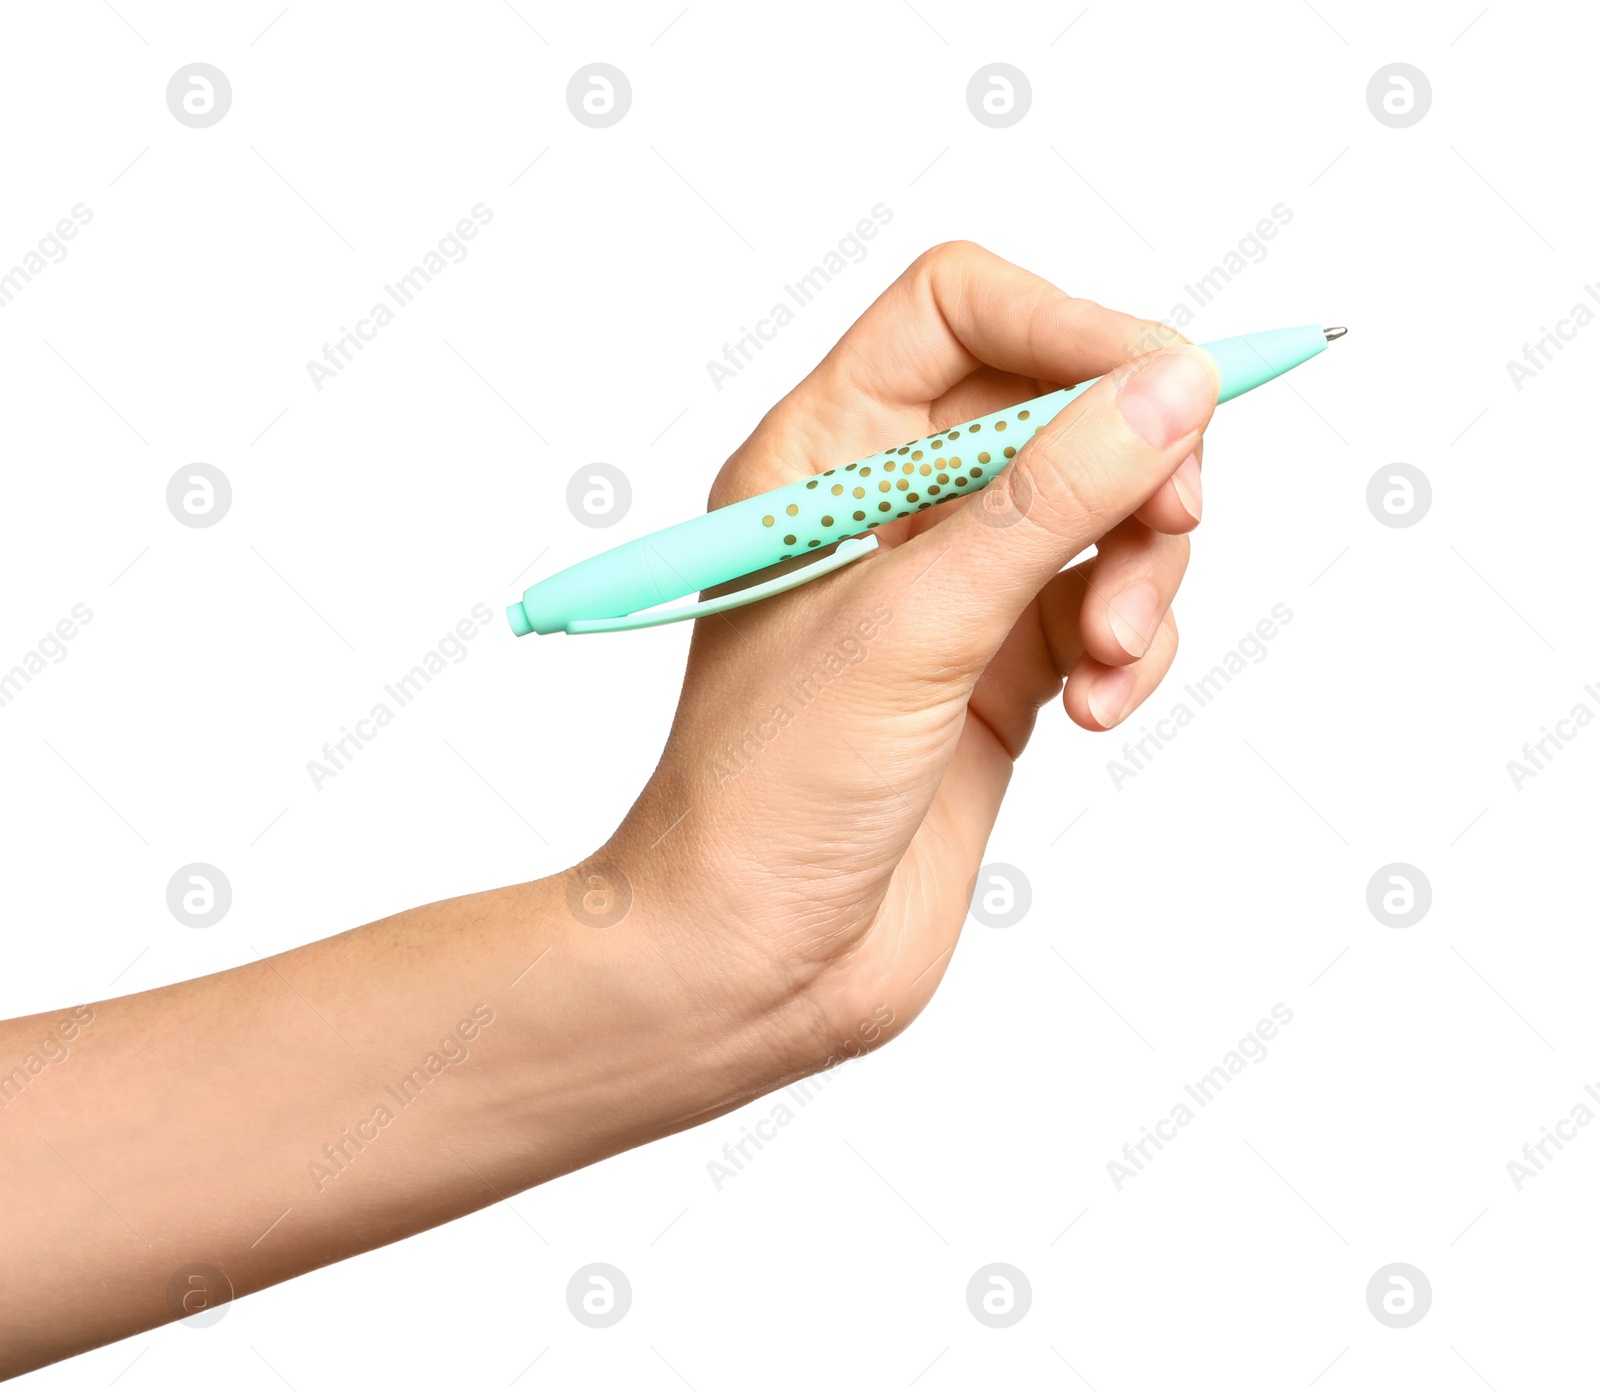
point(945, 260)
point(1069, 482)
point(1169, 635)
point(954, 252)
point(1151, 336)
point(777, 452)
point(1181, 551)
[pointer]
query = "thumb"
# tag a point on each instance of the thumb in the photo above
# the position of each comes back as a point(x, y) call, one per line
point(962, 585)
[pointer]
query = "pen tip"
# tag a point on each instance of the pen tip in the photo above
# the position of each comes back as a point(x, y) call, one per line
point(1331, 334)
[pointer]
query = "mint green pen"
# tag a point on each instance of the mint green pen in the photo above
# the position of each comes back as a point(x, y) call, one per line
point(633, 585)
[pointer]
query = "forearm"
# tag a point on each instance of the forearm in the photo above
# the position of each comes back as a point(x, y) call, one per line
point(300, 1109)
point(799, 866)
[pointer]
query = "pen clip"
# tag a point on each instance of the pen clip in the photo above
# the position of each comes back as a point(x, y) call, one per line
point(851, 549)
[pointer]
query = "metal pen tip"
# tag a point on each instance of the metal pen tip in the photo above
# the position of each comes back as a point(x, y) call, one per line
point(1331, 334)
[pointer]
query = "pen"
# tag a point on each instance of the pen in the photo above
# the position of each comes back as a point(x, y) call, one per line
point(633, 585)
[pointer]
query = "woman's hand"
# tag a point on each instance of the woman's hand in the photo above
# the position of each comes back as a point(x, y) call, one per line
point(800, 864)
point(840, 752)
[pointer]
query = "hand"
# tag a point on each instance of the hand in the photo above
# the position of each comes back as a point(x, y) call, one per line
point(800, 862)
point(840, 752)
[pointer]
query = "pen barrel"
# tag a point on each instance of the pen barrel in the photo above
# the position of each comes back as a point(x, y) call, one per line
point(793, 520)
point(653, 569)
point(812, 513)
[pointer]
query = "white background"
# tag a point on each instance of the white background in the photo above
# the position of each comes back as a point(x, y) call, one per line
point(369, 517)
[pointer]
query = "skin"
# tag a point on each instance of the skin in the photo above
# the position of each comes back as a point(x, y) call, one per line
point(795, 883)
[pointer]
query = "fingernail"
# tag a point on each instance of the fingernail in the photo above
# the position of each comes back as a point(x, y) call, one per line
point(1168, 397)
point(1109, 696)
point(1186, 481)
point(1132, 616)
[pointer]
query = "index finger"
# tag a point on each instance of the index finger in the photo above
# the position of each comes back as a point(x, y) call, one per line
point(959, 307)
point(907, 365)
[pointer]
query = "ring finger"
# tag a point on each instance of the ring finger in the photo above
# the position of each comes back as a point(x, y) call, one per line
point(1099, 697)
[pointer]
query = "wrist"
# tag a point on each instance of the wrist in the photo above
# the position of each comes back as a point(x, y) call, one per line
point(781, 967)
point(653, 1018)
